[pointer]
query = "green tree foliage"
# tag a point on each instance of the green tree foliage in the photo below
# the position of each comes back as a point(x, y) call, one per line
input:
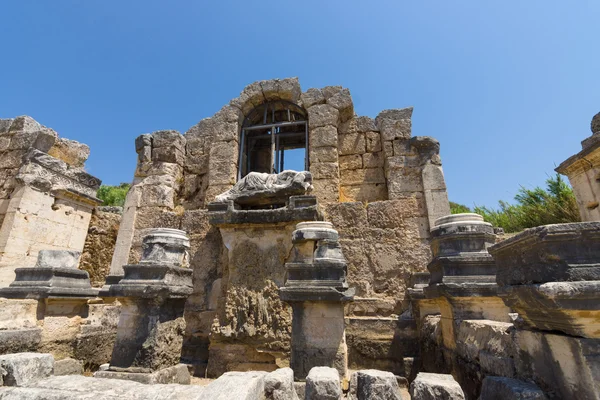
point(113, 195)
point(534, 207)
point(456, 208)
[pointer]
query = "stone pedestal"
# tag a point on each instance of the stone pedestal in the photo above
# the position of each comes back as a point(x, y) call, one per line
point(151, 325)
point(54, 276)
point(249, 325)
point(316, 289)
point(463, 273)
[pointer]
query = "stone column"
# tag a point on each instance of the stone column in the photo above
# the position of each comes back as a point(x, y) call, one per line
point(316, 288)
point(550, 275)
point(463, 273)
point(151, 325)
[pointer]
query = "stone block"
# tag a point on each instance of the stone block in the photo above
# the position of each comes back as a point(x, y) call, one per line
point(388, 148)
point(323, 154)
point(236, 385)
point(373, 160)
point(403, 147)
point(157, 196)
point(323, 383)
point(24, 123)
point(68, 366)
point(433, 178)
point(279, 385)
point(322, 115)
point(372, 384)
point(365, 124)
point(197, 164)
point(400, 129)
point(367, 192)
point(329, 91)
point(312, 97)
point(500, 388)
point(352, 161)
point(326, 190)
point(170, 154)
point(70, 151)
point(324, 170)
point(24, 368)
point(168, 138)
point(347, 127)
point(11, 159)
point(342, 101)
point(177, 374)
point(352, 143)
point(20, 340)
point(323, 136)
point(373, 140)
point(361, 176)
point(58, 258)
point(429, 386)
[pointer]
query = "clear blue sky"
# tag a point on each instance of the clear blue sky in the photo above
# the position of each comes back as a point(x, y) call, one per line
point(508, 87)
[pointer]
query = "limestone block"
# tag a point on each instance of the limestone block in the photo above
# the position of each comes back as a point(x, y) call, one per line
point(500, 388)
point(279, 385)
point(68, 366)
point(347, 127)
point(42, 140)
point(403, 147)
point(366, 192)
point(373, 140)
point(252, 96)
point(352, 143)
point(195, 143)
point(352, 161)
point(11, 159)
point(312, 97)
point(323, 383)
point(18, 314)
point(329, 91)
point(177, 374)
point(372, 384)
point(433, 178)
point(326, 190)
point(158, 168)
point(429, 386)
point(157, 196)
point(391, 129)
point(402, 182)
point(437, 205)
point(70, 151)
point(24, 368)
point(236, 385)
point(361, 176)
point(323, 154)
point(388, 148)
point(324, 170)
point(197, 164)
point(169, 154)
point(216, 128)
point(168, 138)
point(373, 160)
point(5, 125)
point(393, 213)
point(322, 115)
point(323, 136)
point(4, 142)
point(281, 89)
point(366, 124)
point(401, 162)
point(24, 123)
point(342, 101)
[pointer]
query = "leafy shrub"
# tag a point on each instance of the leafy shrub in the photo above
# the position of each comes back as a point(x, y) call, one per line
point(113, 195)
point(534, 207)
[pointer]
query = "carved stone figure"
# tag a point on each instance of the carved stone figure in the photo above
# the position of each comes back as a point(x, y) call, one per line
point(258, 188)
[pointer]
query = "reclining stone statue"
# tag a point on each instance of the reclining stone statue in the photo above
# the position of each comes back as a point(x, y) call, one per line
point(259, 188)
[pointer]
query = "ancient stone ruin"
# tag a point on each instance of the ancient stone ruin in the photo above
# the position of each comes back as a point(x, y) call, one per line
point(285, 248)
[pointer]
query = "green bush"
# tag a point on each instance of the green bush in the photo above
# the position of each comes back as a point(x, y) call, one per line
point(534, 207)
point(113, 195)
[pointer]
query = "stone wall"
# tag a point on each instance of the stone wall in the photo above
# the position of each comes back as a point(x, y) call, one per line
point(583, 170)
point(100, 243)
point(45, 202)
point(379, 186)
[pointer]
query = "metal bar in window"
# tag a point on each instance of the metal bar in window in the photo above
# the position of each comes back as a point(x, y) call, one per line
point(255, 127)
point(281, 159)
point(277, 153)
point(273, 149)
point(241, 153)
point(306, 157)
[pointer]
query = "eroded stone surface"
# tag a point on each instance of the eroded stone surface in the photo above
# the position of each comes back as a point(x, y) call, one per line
point(323, 383)
point(23, 368)
point(373, 384)
point(429, 386)
point(498, 388)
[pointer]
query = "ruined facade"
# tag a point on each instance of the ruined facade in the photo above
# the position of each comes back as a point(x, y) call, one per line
point(379, 186)
point(46, 197)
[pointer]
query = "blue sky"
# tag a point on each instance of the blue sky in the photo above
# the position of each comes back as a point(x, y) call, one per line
point(507, 87)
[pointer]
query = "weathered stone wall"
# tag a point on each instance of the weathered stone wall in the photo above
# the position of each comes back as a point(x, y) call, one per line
point(583, 170)
point(45, 202)
point(379, 186)
point(100, 243)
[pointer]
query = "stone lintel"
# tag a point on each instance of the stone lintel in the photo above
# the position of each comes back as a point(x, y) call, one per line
point(77, 197)
point(549, 253)
point(299, 208)
point(569, 307)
